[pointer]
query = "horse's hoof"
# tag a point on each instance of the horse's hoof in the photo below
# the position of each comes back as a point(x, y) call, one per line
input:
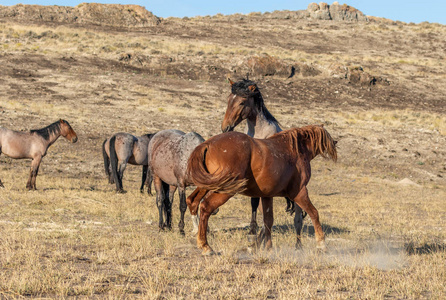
point(207, 251)
point(253, 229)
point(321, 248)
point(298, 245)
point(182, 232)
point(120, 191)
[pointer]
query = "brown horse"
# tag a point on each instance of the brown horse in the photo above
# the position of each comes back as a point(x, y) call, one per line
point(246, 102)
point(232, 163)
point(33, 144)
point(122, 149)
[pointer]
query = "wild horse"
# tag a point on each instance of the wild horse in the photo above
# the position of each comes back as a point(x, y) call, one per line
point(169, 151)
point(33, 144)
point(232, 163)
point(246, 102)
point(122, 149)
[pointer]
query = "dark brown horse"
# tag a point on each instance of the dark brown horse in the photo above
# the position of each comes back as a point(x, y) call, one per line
point(246, 102)
point(33, 144)
point(122, 149)
point(232, 163)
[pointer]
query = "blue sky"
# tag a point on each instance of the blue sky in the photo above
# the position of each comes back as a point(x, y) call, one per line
point(402, 10)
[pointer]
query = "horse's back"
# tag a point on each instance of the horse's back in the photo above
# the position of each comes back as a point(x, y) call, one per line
point(18, 144)
point(169, 151)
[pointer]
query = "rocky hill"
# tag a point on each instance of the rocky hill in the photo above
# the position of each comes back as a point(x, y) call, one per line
point(85, 13)
point(137, 16)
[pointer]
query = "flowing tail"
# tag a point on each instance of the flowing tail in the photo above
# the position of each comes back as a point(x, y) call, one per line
point(114, 164)
point(106, 161)
point(223, 181)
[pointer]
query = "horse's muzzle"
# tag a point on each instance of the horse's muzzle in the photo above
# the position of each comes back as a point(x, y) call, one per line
point(228, 128)
point(74, 140)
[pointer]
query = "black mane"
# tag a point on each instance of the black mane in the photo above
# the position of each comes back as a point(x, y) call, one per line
point(47, 131)
point(241, 88)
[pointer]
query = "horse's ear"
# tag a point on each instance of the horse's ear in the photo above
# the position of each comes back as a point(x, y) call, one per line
point(322, 125)
point(230, 81)
point(61, 121)
point(252, 88)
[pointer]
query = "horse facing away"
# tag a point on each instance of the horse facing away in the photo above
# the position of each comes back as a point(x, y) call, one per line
point(232, 163)
point(122, 149)
point(169, 151)
point(246, 102)
point(33, 144)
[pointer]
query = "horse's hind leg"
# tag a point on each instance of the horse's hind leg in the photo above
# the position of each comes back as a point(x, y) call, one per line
point(144, 178)
point(121, 169)
point(168, 198)
point(160, 195)
point(304, 202)
point(207, 206)
point(183, 207)
point(192, 202)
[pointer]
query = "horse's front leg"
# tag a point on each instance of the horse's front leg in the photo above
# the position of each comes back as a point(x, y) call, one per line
point(303, 200)
point(268, 220)
point(207, 207)
point(183, 207)
point(31, 184)
point(298, 223)
point(254, 206)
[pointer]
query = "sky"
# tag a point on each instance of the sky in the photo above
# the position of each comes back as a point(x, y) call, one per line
point(399, 10)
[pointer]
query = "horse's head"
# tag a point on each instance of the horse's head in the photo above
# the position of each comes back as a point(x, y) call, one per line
point(241, 102)
point(67, 132)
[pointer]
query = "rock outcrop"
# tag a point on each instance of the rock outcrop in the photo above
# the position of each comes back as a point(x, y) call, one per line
point(323, 11)
point(85, 13)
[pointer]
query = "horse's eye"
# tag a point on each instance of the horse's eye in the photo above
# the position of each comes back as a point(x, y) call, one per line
point(242, 103)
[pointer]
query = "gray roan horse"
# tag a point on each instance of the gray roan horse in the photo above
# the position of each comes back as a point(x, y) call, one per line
point(123, 148)
point(246, 102)
point(169, 151)
point(33, 144)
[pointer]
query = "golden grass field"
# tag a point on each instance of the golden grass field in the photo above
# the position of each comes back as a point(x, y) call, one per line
point(382, 205)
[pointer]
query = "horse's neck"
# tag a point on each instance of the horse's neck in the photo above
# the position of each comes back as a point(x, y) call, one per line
point(259, 127)
point(51, 140)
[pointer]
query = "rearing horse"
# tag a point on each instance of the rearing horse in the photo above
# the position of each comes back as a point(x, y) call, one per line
point(232, 163)
point(246, 102)
point(33, 144)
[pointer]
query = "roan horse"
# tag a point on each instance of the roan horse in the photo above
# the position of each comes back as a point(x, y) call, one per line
point(232, 163)
point(246, 102)
point(33, 144)
point(122, 148)
point(169, 151)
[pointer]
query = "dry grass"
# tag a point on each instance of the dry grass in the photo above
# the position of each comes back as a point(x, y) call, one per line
point(75, 237)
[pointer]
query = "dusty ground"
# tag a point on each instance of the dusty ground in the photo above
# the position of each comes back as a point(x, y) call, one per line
point(382, 205)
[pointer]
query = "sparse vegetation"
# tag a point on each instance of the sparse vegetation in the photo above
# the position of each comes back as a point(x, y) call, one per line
point(381, 206)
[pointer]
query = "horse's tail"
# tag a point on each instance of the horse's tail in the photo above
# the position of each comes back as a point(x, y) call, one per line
point(106, 160)
point(114, 164)
point(319, 140)
point(223, 181)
